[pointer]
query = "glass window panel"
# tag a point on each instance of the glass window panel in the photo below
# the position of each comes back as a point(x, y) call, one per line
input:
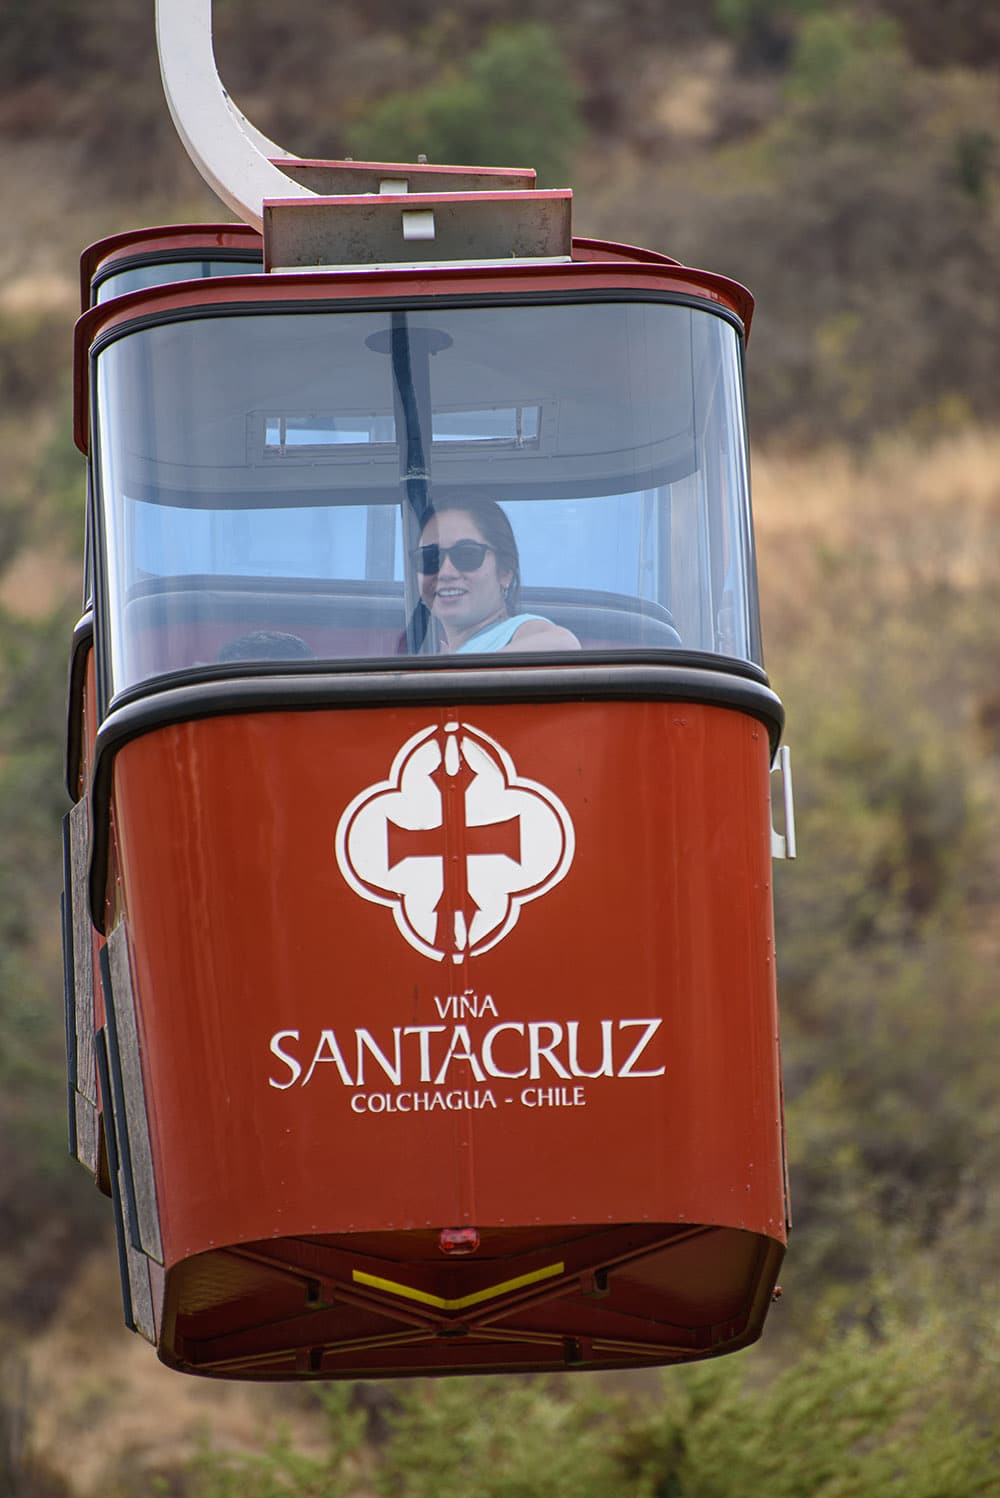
point(515, 426)
point(264, 478)
point(166, 272)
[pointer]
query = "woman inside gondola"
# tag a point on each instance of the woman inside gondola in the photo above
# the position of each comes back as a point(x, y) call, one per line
point(470, 583)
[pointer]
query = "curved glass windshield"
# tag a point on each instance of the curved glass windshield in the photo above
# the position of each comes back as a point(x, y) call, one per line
point(328, 486)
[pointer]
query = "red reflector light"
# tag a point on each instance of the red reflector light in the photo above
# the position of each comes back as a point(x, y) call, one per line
point(458, 1240)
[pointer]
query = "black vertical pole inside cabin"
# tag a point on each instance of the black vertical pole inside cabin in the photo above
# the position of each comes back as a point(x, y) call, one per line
point(410, 352)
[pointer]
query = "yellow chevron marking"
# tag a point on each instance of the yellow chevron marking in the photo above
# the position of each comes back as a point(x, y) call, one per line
point(461, 1302)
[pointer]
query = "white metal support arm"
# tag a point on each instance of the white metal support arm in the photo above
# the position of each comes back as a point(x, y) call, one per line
point(231, 155)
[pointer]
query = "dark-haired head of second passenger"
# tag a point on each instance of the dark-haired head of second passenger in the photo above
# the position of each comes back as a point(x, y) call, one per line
point(470, 582)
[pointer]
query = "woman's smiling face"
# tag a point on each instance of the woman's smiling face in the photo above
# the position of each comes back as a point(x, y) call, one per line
point(462, 602)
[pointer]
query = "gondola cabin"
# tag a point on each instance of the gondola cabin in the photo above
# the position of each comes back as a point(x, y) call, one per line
point(420, 964)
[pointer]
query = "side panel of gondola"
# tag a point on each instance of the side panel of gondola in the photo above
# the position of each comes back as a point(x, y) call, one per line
point(80, 941)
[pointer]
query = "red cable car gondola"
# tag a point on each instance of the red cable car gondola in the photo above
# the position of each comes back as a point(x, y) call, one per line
point(421, 975)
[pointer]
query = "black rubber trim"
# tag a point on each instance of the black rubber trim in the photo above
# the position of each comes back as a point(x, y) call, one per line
point(111, 1146)
point(286, 306)
point(729, 684)
point(377, 672)
point(83, 641)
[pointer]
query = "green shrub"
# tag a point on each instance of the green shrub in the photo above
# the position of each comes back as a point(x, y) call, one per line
point(513, 104)
point(857, 1417)
point(906, 1412)
point(763, 29)
point(503, 1438)
point(833, 48)
point(331, 1470)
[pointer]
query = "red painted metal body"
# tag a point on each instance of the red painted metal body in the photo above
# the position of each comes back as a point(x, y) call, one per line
point(467, 1099)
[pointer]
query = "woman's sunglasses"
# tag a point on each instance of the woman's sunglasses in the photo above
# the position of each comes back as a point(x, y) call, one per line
point(466, 556)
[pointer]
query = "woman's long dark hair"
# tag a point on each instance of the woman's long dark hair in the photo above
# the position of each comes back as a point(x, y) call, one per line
point(496, 530)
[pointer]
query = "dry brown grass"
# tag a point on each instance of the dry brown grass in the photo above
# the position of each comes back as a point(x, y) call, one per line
point(39, 581)
point(100, 1402)
point(921, 515)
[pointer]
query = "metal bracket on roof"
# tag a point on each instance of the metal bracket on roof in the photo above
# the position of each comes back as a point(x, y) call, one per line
point(338, 179)
point(326, 215)
point(383, 229)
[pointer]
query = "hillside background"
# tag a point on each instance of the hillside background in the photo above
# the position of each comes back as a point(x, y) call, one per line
point(843, 161)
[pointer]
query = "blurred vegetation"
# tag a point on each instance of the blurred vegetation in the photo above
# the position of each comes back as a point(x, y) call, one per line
point(864, 212)
point(906, 1412)
point(844, 161)
point(37, 1234)
point(889, 999)
point(513, 104)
